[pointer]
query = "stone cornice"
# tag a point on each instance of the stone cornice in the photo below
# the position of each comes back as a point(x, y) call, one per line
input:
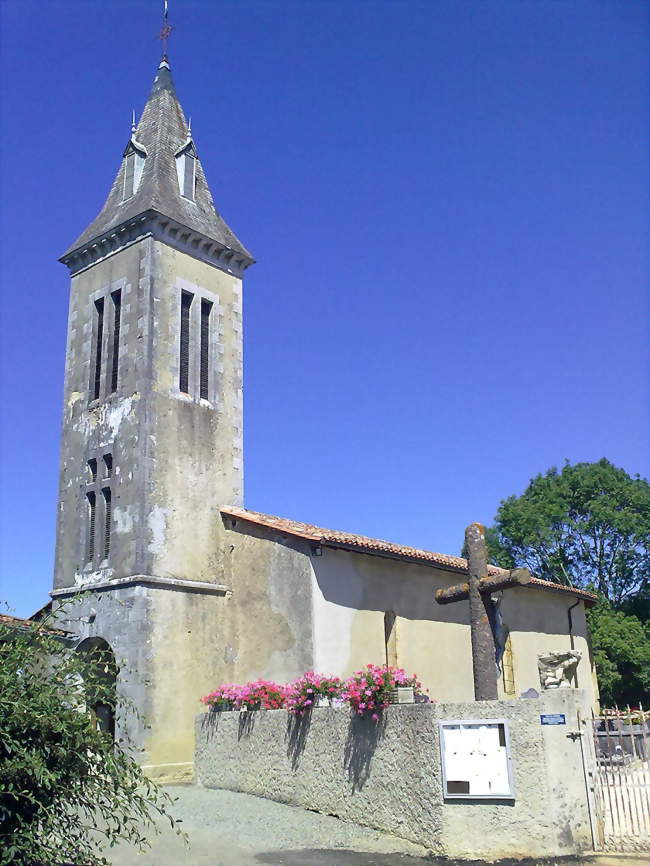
point(161, 228)
point(173, 583)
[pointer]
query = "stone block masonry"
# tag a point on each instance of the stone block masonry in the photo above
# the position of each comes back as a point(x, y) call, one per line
point(387, 775)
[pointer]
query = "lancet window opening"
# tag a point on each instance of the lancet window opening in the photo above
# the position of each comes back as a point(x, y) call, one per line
point(117, 316)
point(184, 360)
point(106, 492)
point(195, 345)
point(99, 338)
point(107, 330)
point(99, 495)
point(204, 385)
point(90, 539)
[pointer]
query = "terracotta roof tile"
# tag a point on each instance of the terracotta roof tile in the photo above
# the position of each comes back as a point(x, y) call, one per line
point(378, 547)
point(17, 622)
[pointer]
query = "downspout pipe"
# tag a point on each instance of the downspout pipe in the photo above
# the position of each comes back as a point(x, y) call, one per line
point(571, 623)
point(570, 617)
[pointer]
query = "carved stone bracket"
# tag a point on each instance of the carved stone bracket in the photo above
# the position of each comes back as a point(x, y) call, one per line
point(557, 669)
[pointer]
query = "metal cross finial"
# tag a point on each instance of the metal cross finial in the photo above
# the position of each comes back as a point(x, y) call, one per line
point(165, 30)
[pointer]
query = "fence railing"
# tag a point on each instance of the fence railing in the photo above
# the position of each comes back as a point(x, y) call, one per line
point(622, 777)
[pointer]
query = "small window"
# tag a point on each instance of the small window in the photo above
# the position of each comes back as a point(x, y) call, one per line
point(106, 492)
point(108, 465)
point(188, 177)
point(186, 171)
point(206, 309)
point(184, 360)
point(92, 470)
point(117, 316)
point(129, 175)
point(90, 541)
point(133, 167)
point(99, 338)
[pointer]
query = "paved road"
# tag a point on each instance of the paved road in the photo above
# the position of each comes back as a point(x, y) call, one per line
point(228, 829)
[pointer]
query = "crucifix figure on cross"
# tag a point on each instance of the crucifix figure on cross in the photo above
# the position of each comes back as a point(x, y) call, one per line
point(483, 609)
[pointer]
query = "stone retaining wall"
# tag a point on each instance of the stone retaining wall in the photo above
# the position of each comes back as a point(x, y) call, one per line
point(387, 775)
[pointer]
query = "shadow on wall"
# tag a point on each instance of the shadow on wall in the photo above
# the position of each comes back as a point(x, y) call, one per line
point(210, 724)
point(296, 737)
point(247, 720)
point(363, 737)
point(361, 744)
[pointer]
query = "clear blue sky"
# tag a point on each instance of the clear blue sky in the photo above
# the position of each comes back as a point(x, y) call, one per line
point(448, 203)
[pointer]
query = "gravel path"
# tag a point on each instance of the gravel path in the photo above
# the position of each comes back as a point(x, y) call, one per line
point(229, 829)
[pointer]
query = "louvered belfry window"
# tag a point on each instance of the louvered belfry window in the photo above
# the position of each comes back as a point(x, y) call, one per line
point(99, 337)
point(107, 521)
point(99, 495)
point(184, 371)
point(206, 309)
point(129, 175)
point(117, 316)
point(90, 541)
point(188, 176)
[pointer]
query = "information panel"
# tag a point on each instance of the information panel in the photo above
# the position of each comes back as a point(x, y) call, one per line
point(476, 761)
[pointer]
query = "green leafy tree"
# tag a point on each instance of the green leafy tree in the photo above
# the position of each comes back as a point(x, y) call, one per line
point(587, 525)
point(66, 789)
point(621, 644)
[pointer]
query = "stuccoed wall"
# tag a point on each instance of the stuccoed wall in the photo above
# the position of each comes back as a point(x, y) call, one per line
point(388, 775)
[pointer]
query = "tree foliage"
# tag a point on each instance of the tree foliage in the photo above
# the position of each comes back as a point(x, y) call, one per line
point(587, 525)
point(621, 644)
point(66, 789)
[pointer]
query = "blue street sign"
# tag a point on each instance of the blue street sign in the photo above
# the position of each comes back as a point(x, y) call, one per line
point(553, 719)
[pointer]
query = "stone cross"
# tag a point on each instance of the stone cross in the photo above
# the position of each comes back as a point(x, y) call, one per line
point(482, 609)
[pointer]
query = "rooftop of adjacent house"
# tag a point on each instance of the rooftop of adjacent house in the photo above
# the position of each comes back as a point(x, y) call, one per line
point(14, 622)
point(318, 535)
point(159, 138)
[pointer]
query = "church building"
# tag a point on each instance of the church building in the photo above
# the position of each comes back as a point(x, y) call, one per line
point(157, 558)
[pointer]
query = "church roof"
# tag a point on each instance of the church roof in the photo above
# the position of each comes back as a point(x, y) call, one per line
point(159, 136)
point(363, 544)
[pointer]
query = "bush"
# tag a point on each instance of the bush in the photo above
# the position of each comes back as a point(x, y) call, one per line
point(66, 789)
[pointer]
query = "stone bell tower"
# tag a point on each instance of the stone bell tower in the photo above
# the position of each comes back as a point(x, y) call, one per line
point(152, 421)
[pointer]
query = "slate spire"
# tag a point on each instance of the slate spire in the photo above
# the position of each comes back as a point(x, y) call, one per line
point(160, 136)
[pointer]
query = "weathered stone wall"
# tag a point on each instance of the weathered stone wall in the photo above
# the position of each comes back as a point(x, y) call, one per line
point(388, 775)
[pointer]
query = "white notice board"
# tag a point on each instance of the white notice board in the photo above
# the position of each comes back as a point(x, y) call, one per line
point(476, 760)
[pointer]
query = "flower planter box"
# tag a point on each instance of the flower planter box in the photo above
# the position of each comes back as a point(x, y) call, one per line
point(322, 701)
point(402, 695)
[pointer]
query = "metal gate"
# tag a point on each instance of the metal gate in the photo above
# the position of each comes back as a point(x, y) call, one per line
point(621, 779)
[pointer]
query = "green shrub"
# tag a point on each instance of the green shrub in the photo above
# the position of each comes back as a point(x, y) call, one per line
point(67, 791)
